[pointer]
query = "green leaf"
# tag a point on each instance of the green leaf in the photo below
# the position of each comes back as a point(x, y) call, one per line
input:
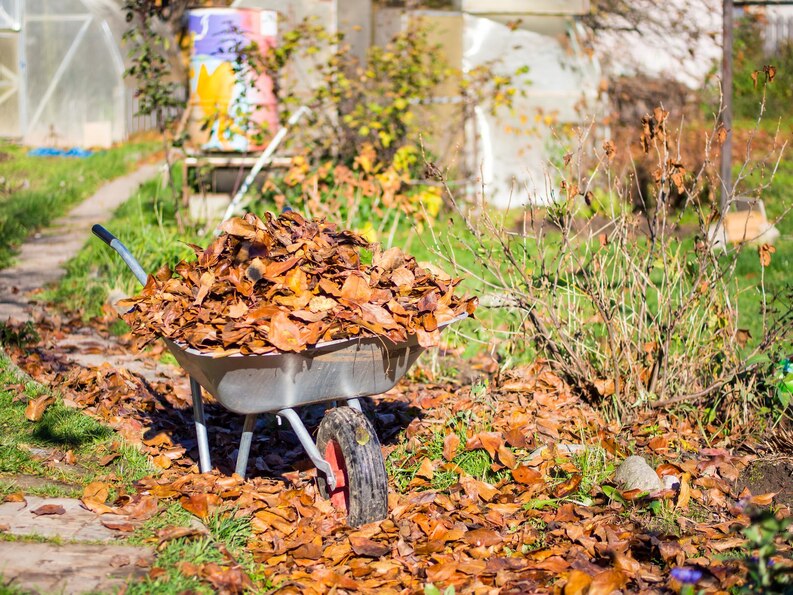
point(613, 493)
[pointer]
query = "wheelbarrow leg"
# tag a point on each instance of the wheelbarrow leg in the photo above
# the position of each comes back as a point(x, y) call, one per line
point(308, 443)
point(245, 445)
point(355, 404)
point(205, 463)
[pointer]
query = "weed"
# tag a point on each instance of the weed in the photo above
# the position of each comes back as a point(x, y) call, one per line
point(15, 460)
point(430, 589)
point(595, 468)
point(766, 575)
point(18, 337)
point(8, 588)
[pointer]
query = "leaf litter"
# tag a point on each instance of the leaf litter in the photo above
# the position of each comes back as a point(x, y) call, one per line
point(285, 283)
point(533, 515)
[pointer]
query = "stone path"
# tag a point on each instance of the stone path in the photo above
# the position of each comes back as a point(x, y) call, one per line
point(74, 524)
point(65, 567)
point(79, 568)
point(41, 258)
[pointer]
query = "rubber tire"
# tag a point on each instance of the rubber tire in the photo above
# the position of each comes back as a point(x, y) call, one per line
point(366, 476)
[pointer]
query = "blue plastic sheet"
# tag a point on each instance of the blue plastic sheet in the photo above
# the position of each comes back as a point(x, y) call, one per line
point(50, 152)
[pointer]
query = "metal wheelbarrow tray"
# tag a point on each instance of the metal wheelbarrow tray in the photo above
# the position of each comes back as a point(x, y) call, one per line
point(347, 451)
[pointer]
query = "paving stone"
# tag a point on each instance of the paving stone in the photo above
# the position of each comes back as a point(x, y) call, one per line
point(42, 257)
point(73, 568)
point(75, 524)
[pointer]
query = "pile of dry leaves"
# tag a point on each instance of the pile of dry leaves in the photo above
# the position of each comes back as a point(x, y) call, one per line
point(285, 284)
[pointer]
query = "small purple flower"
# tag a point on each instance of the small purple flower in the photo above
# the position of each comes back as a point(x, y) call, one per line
point(687, 576)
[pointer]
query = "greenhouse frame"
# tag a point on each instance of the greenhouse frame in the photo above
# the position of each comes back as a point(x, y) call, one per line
point(62, 74)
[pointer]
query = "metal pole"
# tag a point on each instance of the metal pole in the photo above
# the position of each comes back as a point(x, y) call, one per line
point(205, 464)
point(726, 115)
point(263, 160)
point(245, 445)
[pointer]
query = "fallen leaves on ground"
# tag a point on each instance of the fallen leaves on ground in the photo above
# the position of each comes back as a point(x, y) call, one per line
point(524, 519)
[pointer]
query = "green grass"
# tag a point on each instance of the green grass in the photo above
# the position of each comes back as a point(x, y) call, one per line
point(224, 528)
point(403, 464)
point(146, 225)
point(7, 587)
point(777, 276)
point(61, 428)
point(36, 190)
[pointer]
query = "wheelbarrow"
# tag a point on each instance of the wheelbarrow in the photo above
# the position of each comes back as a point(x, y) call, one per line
point(346, 452)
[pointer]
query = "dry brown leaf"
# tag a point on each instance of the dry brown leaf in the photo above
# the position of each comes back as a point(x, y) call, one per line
point(36, 407)
point(685, 492)
point(118, 525)
point(48, 509)
point(577, 583)
point(363, 546)
point(450, 444)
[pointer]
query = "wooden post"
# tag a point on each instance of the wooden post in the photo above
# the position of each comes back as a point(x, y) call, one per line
point(726, 90)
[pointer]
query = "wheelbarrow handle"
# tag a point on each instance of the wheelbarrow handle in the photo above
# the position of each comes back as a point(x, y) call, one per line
point(112, 241)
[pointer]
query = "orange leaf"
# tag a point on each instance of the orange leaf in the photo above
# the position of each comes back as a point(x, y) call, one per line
point(763, 499)
point(659, 444)
point(567, 487)
point(450, 444)
point(577, 583)
point(200, 505)
point(507, 457)
point(426, 470)
point(36, 407)
point(97, 491)
point(482, 537)
point(607, 582)
point(285, 334)
point(356, 289)
point(48, 509)
point(526, 475)
point(363, 546)
point(490, 441)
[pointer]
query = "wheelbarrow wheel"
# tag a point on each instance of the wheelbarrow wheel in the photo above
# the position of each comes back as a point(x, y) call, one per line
point(347, 440)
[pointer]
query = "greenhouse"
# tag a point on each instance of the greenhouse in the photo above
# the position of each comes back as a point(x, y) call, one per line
point(62, 74)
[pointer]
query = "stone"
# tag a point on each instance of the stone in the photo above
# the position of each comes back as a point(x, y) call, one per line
point(71, 568)
point(635, 474)
point(76, 523)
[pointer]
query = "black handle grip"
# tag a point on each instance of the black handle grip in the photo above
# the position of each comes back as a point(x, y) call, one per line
point(103, 234)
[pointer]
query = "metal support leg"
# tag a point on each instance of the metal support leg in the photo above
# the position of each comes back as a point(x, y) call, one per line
point(205, 464)
point(311, 449)
point(245, 445)
point(355, 404)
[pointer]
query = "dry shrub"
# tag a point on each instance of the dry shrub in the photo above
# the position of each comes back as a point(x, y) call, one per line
point(633, 308)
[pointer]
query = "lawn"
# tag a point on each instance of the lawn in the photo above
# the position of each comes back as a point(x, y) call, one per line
point(36, 190)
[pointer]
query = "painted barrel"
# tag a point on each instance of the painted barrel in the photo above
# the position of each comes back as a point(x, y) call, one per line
point(230, 109)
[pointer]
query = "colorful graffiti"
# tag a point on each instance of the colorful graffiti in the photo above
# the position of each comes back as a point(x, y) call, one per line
point(227, 113)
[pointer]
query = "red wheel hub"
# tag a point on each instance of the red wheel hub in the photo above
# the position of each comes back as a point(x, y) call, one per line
point(340, 497)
